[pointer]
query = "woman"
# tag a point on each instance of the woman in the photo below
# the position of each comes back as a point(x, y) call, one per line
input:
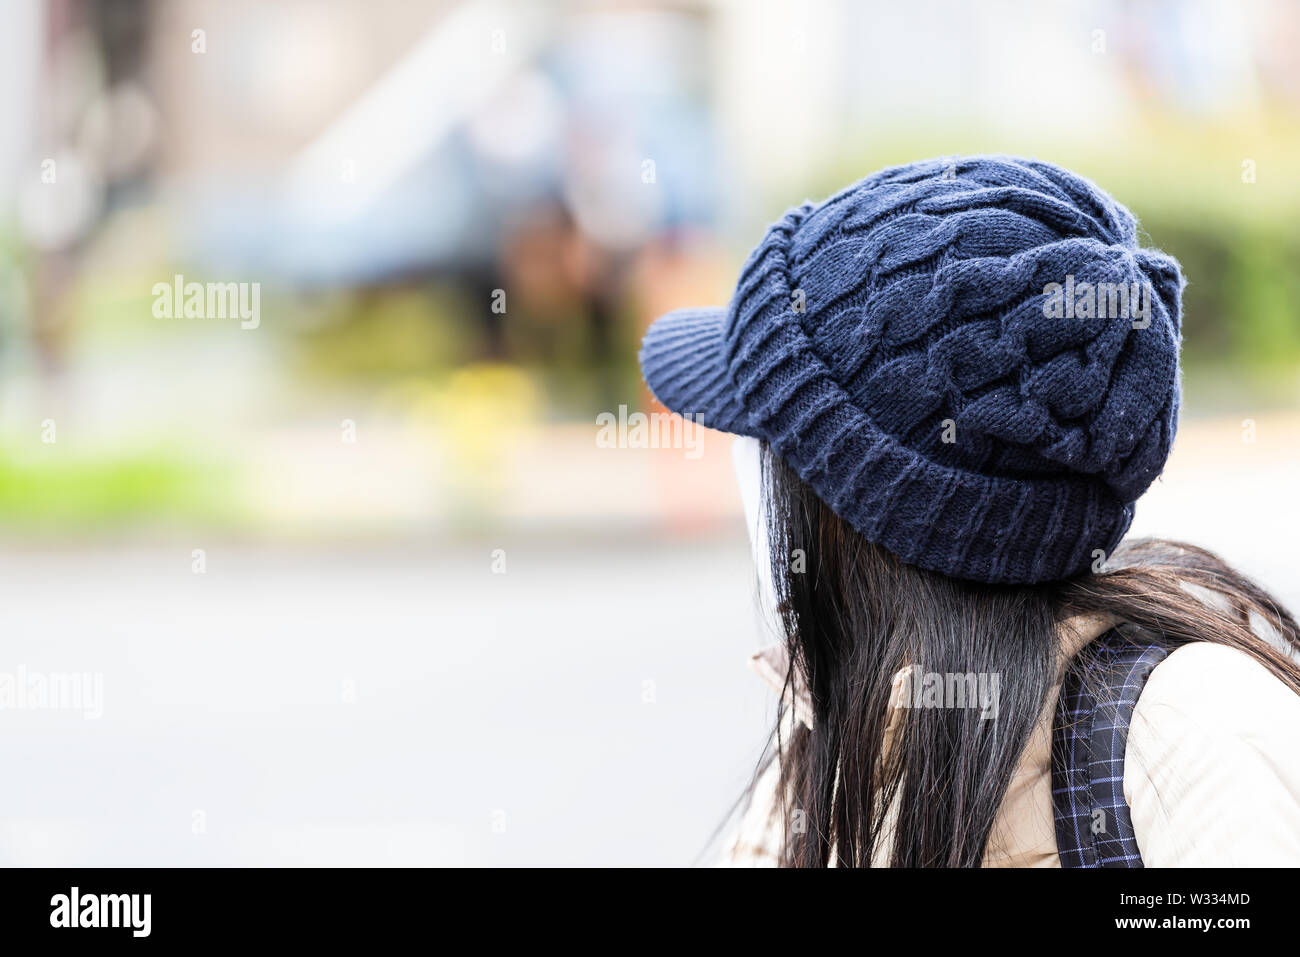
point(956, 378)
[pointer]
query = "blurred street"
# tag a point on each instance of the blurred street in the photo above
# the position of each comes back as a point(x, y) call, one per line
point(481, 702)
point(405, 704)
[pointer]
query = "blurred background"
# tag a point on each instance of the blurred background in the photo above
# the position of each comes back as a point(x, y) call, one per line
point(361, 584)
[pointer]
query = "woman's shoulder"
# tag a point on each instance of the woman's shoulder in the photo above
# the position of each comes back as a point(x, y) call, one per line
point(1217, 688)
point(1212, 764)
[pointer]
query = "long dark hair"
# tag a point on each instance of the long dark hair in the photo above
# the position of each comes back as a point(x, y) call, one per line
point(854, 615)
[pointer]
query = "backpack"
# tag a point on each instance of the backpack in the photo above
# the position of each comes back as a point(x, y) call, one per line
point(1101, 687)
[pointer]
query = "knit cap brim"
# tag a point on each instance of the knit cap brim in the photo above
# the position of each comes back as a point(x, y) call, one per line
point(682, 360)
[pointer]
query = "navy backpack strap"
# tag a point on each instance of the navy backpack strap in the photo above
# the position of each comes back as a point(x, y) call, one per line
point(1100, 690)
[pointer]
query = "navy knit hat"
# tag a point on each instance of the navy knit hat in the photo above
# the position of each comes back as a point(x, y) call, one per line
point(972, 362)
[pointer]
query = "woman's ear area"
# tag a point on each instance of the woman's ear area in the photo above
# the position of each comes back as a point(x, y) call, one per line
point(747, 461)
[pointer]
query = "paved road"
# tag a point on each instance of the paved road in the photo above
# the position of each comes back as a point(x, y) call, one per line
point(332, 707)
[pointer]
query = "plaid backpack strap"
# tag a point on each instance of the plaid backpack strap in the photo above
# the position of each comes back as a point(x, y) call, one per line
point(1100, 690)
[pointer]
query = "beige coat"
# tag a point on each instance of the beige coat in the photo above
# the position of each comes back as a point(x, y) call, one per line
point(1212, 767)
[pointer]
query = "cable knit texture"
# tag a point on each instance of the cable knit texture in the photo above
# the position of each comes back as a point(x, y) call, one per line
point(902, 346)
